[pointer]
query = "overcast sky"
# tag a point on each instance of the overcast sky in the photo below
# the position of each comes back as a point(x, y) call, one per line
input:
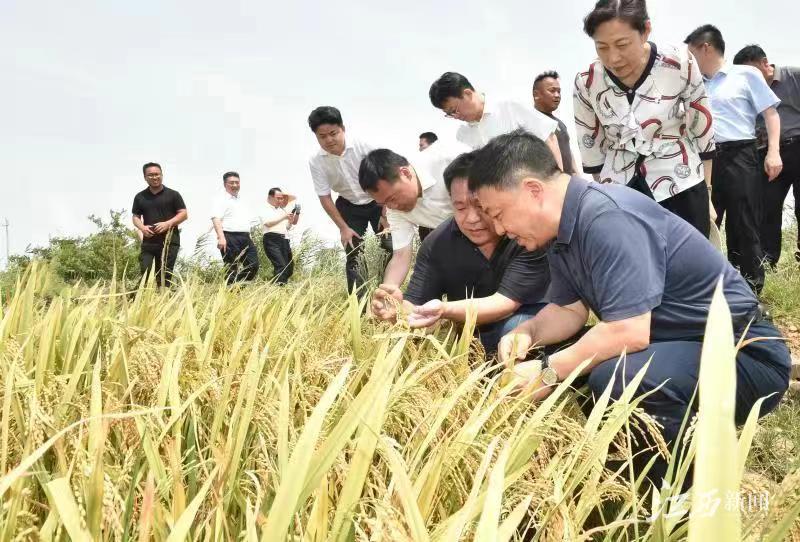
point(91, 90)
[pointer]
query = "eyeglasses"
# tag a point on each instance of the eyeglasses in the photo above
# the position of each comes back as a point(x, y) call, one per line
point(153, 175)
point(453, 112)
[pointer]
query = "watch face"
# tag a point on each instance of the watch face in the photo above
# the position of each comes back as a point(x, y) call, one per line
point(549, 377)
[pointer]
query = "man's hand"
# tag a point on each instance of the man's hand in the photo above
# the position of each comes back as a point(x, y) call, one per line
point(526, 379)
point(773, 165)
point(347, 236)
point(293, 218)
point(385, 301)
point(514, 347)
point(222, 244)
point(147, 231)
point(426, 315)
point(161, 227)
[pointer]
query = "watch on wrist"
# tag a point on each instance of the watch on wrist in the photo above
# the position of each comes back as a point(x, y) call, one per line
point(548, 375)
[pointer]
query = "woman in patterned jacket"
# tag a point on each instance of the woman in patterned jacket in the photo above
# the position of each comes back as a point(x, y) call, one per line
point(642, 114)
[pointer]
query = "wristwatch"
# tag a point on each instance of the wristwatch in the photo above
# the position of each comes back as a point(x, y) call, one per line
point(548, 374)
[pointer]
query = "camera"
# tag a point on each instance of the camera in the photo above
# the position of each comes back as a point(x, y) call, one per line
point(296, 210)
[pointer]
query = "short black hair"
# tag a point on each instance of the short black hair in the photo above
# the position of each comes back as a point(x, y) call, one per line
point(458, 168)
point(151, 164)
point(449, 85)
point(228, 175)
point(750, 53)
point(633, 12)
point(272, 191)
point(379, 164)
point(552, 74)
point(324, 114)
point(506, 158)
point(430, 137)
point(708, 33)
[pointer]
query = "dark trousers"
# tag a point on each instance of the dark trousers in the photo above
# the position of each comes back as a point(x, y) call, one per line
point(240, 257)
point(736, 183)
point(161, 259)
point(423, 232)
point(692, 206)
point(358, 217)
point(774, 195)
point(279, 253)
point(762, 368)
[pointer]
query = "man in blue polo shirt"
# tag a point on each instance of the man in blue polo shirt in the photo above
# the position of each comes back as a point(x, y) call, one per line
point(648, 275)
point(738, 94)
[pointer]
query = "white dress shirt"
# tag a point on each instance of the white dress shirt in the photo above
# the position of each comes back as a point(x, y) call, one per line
point(275, 213)
point(502, 117)
point(434, 206)
point(340, 173)
point(234, 213)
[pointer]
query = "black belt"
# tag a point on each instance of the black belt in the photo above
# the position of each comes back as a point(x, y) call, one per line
point(731, 145)
point(790, 141)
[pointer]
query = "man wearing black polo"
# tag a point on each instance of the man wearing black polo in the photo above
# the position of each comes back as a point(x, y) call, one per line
point(546, 99)
point(648, 275)
point(157, 211)
point(785, 83)
point(465, 260)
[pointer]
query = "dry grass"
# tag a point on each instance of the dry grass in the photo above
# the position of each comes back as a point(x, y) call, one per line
point(269, 414)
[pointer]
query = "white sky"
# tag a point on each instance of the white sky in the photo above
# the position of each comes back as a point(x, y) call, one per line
point(91, 90)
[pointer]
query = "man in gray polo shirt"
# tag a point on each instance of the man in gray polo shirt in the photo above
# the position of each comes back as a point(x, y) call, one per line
point(648, 275)
point(785, 83)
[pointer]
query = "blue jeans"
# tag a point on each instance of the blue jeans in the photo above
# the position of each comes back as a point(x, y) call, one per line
point(490, 334)
point(762, 368)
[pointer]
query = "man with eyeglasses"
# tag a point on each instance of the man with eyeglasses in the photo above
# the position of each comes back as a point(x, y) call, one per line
point(484, 118)
point(157, 211)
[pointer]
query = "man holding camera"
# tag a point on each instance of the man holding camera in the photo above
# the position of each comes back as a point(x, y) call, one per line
point(276, 225)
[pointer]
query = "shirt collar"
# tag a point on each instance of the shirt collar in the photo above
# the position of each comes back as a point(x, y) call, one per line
point(724, 69)
point(488, 109)
point(347, 147)
point(426, 180)
point(569, 211)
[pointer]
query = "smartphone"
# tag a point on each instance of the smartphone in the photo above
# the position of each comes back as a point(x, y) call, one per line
point(296, 210)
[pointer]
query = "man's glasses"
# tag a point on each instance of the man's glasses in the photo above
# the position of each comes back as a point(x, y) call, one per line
point(452, 113)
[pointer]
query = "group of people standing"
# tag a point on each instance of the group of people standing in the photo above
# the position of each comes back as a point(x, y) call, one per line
point(158, 211)
point(530, 249)
point(678, 140)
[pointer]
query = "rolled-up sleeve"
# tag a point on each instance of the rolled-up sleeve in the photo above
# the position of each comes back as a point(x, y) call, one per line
point(321, 184)
point(699, 120)
point(402, 229)
point(588, 128)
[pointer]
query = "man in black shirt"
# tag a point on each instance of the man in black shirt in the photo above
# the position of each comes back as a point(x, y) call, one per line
point(157, 211)
point(465, 260)
point(546, 99)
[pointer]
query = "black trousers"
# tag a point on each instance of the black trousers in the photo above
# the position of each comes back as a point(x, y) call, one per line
point(736, 183)
point(774, 195)
point(358, 217)
point(240, 257)
point(279, 253)
point(692, 206)
point(423, 232)
point(156, 256)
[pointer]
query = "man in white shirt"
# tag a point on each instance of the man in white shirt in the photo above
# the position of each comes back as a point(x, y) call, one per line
point(484, 118)
point(414, 194)
point(334, 168)
point(277, 223)
point(232, 220)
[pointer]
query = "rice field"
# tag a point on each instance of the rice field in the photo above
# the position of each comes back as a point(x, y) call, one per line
point(261, 413)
